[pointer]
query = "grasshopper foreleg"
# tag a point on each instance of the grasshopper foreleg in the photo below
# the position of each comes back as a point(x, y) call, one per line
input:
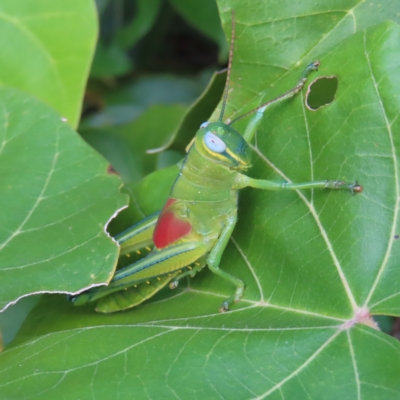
point(245, 181)
point(214, 259)
point(259, 111)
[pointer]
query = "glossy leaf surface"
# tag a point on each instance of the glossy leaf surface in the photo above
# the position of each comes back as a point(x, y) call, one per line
point(56, 198)
point(47, 49)
point(315, 263)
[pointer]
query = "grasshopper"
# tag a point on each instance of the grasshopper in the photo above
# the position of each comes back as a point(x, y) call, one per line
point(195, 225)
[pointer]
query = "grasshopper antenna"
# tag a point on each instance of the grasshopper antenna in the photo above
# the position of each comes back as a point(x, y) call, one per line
point(290, 93)
point(228, 75)
point(226, 91)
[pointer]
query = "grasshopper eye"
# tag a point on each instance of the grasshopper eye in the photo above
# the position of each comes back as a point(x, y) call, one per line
point(214, 143)
point(204, 124)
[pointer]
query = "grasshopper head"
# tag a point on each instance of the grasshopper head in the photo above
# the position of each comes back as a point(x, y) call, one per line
point(222, 144)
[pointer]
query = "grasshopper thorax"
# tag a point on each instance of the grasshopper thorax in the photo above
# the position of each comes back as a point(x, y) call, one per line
point(221, 144)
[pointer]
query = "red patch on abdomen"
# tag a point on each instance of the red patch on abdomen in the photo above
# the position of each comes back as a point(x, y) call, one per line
point(169, 227)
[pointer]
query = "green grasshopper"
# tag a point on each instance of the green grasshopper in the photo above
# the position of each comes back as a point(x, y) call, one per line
point(195, 225)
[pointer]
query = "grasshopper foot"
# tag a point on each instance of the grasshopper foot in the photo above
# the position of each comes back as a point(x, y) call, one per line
point(174, 284)
point(356, 188)
point(224, 307)
point(234, 299)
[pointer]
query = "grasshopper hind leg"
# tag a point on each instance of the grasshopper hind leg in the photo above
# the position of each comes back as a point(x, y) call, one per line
point(137, 294)
point(141, 280)
point(134, 295)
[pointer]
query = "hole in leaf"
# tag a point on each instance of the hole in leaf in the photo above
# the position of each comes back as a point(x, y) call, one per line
point(321, 92)
point(388, 324)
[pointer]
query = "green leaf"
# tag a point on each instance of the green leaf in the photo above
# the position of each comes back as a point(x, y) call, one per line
point(146, 197)
point(125, 146)
point(150, 90)
point(288, 38)
point(48, 50)
point(332, 236)
point(12, 318)
point(316, 264)
point(256, 352)
point(126, 105)
point(56, 198)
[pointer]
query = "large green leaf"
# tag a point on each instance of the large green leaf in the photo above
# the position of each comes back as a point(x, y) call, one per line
point(56, 198)
point(316, 264)
point(194, 352)
point(47, 48)
point(274, 38)
point(299, 145)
